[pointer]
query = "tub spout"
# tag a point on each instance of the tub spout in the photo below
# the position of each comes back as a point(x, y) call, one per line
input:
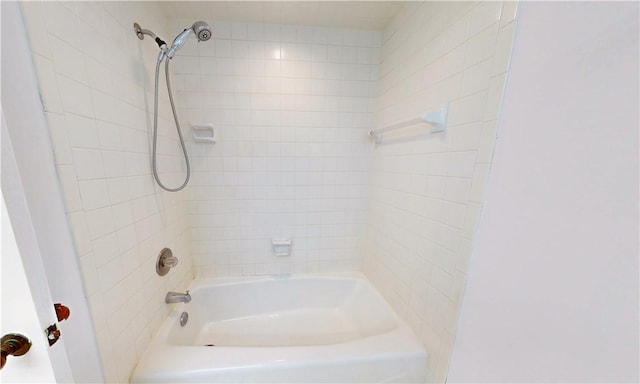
point(177, 297)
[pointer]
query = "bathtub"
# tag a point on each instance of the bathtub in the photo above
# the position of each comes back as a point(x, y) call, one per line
point(302, 329)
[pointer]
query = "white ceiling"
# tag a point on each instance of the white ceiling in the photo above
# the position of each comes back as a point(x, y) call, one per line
point(343, 14)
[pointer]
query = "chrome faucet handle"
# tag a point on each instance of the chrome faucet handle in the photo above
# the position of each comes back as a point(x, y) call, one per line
point(165, 261)
point(170, 261)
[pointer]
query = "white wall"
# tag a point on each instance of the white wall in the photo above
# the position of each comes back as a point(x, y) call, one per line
point(291, 107)
point(96, 82)
point(427, 189)
point(552, 294)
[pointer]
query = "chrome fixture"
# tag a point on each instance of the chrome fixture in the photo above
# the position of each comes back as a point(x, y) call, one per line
point(177, 297)
point(202, 31)
point(161, 44)
point(165, 262)
point(141, 32)
point(184, 317)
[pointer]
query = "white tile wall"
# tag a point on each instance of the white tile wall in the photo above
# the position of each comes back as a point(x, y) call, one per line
point(96, 85)
point(291, 106)
point(426, 189)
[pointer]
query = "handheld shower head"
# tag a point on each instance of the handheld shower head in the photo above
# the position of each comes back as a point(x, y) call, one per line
point(202, 31)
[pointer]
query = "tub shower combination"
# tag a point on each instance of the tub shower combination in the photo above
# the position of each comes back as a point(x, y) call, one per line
point(301, 329)
point(308, 328)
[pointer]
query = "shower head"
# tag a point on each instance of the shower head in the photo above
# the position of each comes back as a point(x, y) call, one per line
point(202, 31)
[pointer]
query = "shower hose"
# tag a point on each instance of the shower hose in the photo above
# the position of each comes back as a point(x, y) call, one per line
point(155, 131)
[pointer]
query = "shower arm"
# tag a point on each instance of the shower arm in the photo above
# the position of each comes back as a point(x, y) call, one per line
point(141, 32)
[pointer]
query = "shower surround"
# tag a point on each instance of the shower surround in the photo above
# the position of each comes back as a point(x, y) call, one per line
point(291, 106)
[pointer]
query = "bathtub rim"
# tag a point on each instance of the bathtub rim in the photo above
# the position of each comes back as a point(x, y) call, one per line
point(199, 282)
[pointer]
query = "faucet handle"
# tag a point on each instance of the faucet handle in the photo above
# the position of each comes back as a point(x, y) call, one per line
point(170, 261)
point(165, 261)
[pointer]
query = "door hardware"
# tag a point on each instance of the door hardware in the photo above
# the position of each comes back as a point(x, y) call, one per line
point(62, 311)
point(14, 344)
point(53, 334)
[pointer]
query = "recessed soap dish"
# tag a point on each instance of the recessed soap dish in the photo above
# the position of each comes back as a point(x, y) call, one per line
point(281, 247)
point(203, 132)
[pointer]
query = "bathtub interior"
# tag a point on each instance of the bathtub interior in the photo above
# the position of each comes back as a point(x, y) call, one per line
point(282, 312)
point(298, 329)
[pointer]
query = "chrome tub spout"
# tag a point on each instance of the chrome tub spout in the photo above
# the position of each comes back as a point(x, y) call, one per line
point(177, 297)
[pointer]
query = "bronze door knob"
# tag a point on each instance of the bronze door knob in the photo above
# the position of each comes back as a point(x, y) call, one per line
point(14, 344)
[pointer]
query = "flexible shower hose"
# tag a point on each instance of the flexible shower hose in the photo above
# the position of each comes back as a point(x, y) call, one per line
point(155, 131)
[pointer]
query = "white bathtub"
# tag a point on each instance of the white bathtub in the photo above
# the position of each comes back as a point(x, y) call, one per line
point(306, 328)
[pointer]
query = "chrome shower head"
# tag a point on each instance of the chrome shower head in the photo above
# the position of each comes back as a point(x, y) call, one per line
point(202, 31)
